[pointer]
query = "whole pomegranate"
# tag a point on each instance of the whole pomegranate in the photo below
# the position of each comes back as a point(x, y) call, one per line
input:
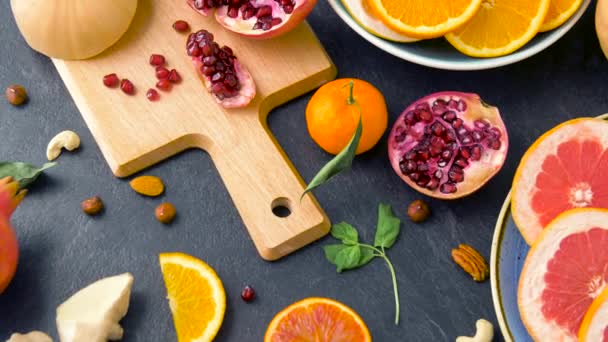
point(259, 19)
point(10, 196)
point(449, 144)
point(223, 74)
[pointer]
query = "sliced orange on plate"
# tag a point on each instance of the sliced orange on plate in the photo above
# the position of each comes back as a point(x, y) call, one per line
point(559, 12)
point(424, 18)
point(317, 319)
point(500, 27)
point(360, 11)
point(196, 297)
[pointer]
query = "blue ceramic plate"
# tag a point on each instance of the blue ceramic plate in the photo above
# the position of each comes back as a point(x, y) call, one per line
point(509, 251)
point(437, 53)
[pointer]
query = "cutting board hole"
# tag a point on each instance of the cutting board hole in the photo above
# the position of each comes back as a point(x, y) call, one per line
point(281, 207)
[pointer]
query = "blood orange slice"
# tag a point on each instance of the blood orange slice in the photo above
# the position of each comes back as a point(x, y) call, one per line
point(565, 168)
point(317, 319)
point(595, 323)
point(565, 270)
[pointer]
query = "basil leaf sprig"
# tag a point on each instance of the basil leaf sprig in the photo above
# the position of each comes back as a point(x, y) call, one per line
point(24, 173)
point(351, 253)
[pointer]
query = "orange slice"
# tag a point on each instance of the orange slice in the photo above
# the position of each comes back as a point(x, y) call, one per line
point(559, 12)
point(500, 27)
point(196, 297)
point(424, 18)
point(595, 322)
point(317, 319)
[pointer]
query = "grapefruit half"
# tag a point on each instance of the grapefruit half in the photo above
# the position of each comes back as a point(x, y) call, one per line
point(595, 323)
point(317, 319)
point(565, 270)
point(565, 168)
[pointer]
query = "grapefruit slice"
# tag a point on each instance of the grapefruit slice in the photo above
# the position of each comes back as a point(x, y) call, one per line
point(317, 319)
point(595, 322)
point(565, 168)
point(360, 11)
point(565, 270)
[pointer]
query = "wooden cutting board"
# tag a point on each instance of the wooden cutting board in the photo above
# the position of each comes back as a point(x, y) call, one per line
point(134, 133)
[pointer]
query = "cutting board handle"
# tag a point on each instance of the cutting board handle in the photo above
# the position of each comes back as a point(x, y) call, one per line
point(266, 190)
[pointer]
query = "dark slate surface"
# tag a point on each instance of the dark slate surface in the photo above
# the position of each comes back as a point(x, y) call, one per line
point(63, 250)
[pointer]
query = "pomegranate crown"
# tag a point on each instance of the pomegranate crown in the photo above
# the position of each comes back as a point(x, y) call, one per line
point(10, 196)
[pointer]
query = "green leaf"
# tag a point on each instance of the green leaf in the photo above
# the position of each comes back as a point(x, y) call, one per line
point(388, 227)
point(345, 233)
point(339, 163)
point(348, 258)
point(332, 250)
point(366, 256)
point(25, 173)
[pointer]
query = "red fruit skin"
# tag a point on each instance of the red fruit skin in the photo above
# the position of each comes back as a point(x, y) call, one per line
point(301, 10)
point(10, 196)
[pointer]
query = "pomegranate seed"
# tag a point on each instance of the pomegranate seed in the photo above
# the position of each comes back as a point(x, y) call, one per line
point(448, 188)
point(152, 95)
point(162, 72)
point(127, 87)
point(157, 60)
point(264, 11)
point(174, 76)
point(426, 116)
point(288, 9)
point(248, 294)
point(111, 80)
point(164, 84)
point(181, 26)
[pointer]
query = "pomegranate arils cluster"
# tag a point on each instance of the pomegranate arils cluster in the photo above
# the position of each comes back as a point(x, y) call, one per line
point(217, 64)
point(166, 78)
point(247, 10)
point(446, 146)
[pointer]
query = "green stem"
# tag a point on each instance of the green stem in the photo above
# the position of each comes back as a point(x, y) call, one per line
point(381, 254)
point(351, 99)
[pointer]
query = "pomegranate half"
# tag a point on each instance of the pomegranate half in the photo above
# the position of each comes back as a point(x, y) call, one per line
point(259, 19)
point(448, 145)
point(224, 76)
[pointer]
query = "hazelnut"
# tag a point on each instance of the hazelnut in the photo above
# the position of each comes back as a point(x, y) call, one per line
point(92, 206)
point(16, 95)
point(165, 212)
point(418, 211)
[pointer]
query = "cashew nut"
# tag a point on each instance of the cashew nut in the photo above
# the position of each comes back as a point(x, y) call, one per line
point(66, 139)
point(485, 333)
point(34, 336)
